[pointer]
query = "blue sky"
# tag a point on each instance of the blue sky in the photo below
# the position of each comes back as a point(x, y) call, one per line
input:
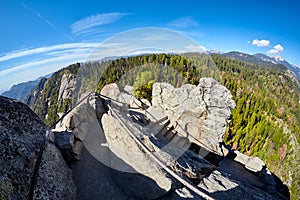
point(39, 37)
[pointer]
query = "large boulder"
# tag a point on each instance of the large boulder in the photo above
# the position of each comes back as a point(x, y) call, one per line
point(70, 133)
point(21, 134)
point(124, 95)
point(142, 177)
point(200, 111)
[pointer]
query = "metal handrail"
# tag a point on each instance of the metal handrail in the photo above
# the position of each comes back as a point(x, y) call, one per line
point(140, 143)
point(42, 148)
point(158, 161)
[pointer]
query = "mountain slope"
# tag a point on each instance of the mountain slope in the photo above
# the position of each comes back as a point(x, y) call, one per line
point(20, 90)
point(279, 60)
point(46, 100)
point(32, 97)
point(264, 60)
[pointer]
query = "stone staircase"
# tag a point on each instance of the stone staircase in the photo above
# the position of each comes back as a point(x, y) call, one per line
point(164, 128)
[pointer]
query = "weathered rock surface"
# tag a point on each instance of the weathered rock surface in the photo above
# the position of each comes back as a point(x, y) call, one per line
point(21, 134)
point(67, 87)
point(109, 164)
point(71, 132)
point(131, 171)
point(254, 164)
point(123, 146)
point(124, 95)
point(203, 111)
point(235, 178)
point(233, 181)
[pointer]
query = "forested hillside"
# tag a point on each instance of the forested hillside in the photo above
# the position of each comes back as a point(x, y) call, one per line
point(265, 123)
point(49, 105)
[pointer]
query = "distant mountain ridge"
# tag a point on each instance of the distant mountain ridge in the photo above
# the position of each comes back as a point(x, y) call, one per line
point(279, 60)
point(264, 60)
point(21, 90)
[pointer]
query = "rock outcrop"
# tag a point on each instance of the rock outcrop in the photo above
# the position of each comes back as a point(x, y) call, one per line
point(203, 110)
point(126, 171)
point(132, 172)
point(124, 95)
point(67, 87)
point(118, 149)
point(21, 134)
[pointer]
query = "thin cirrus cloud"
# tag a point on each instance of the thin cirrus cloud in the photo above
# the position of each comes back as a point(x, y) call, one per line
point(277, 49)
point(53, 48)
point(93, 22)
point(45, 20)
point(184, 22)
point(28, 64)
point(261, 43)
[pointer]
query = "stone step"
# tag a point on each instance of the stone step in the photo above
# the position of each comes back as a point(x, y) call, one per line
point(169, 134)
point(182, 141)
point(154, 124)
point(159, 128)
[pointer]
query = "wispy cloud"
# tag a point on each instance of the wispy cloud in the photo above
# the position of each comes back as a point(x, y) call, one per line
point(261, 43)
point(28, 64)
point(69, 57)
point(28, 52)
point(184, 22)
point(277, 49)
point(45, 20)
point(89, 24)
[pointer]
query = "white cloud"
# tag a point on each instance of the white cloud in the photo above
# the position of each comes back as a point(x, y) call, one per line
point(86, 25)
point(184, 22)
point(277, 49)
point(261, 43)
point(273, 51)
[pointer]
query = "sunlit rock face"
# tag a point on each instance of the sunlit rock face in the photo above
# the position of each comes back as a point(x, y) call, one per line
point(203, 110)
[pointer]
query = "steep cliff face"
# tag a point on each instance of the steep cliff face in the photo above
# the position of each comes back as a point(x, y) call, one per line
point(21, 134)
point(53, 97)
point(67, 87)
point(203, 110)
point(32, 98)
